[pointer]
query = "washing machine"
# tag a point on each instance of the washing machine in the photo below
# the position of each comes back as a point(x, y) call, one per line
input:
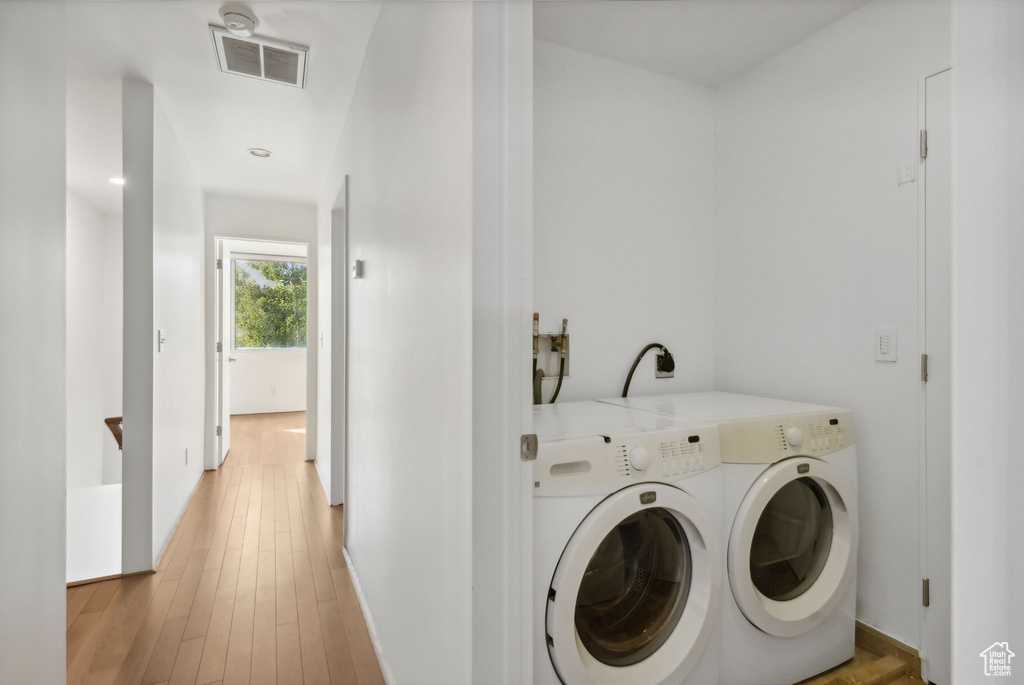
point(627, 547)
point(789, 477)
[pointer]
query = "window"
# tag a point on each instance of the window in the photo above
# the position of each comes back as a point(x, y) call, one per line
point(270, 304)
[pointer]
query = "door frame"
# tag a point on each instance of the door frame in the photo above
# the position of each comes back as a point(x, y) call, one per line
point(502, 306)
point(922, 404)
point(213, 458)
point(339, 353)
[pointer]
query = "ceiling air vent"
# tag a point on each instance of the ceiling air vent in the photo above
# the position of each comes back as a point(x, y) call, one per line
point(260, 58)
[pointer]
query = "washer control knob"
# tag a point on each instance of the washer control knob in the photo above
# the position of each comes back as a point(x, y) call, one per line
point(794, 436)
point(639, 458)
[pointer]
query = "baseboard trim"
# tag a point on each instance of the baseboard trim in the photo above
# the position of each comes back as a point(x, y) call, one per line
point(875, 641)
point(181, 517)
point(370, 627)
point(323, 483)
point(90, 581)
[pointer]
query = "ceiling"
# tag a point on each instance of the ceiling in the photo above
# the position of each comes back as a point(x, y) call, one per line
point(707, 42)
point(217, 116)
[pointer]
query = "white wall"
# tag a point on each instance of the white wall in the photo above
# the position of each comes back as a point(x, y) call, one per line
point(112, 326)
point(178, 371)
point(32, 358)
point(94, 532)
point(407, 151)
point(86, 266)
point(988, 332)
point(163, 285)
point(624, 212)
point(267, 381)
point(94, 297)
point(228, 216)
point(817, 247)
point(322, 341)
point(94, 330)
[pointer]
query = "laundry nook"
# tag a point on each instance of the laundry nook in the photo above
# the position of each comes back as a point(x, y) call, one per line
point(757, 202)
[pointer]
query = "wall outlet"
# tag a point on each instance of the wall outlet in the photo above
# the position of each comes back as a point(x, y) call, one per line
point(273, 391)
point(659, 370)
point(161, 340)
point(885, 345)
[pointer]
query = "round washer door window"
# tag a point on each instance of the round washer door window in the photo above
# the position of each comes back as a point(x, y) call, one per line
point(791, 541)
point(634, 589)
point(793, 546)
point(637, 589)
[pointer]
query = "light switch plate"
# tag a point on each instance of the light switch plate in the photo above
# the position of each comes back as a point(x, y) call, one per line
point(885, 345)
point(906, 173)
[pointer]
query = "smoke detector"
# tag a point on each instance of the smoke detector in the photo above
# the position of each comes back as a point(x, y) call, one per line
point(260, 58)
point(239, 24)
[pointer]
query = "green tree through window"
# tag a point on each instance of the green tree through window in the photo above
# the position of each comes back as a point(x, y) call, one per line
point(270, 304)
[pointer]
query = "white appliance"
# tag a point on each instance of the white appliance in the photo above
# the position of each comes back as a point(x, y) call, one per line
point(627, 549)
point(789, 475)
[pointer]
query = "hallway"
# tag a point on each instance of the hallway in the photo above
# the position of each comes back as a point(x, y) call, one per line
point(252, 588)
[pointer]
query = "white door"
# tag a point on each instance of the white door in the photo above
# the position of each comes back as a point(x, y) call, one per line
point(224, 340)
point(935, 629)
point(793, 547)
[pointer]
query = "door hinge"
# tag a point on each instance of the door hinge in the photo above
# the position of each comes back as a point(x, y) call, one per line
point(924, 368)
point(220, 263)
point(925, 592)
point(528, 447)
point(923, 142)
point(218, 431)
point(220, 347)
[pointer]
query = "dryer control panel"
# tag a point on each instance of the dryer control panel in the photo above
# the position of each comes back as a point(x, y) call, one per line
point(603, 464)
point(770, 439)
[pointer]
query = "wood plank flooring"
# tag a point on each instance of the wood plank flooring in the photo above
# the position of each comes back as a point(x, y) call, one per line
point(252, 588)
point(867, 668)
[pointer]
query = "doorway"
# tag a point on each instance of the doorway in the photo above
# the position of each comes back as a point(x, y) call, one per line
point(935, 380)
point(261, 361)
point(94, 371)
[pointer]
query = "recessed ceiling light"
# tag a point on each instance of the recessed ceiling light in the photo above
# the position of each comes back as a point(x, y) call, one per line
point(117, 181)
point(259, 152)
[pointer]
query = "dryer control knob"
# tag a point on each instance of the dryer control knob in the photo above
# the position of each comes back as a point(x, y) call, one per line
point(794, 436)
point(639, 458)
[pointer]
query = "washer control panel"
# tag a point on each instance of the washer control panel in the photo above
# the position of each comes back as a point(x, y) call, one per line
point(604, 464)
point(767, 440)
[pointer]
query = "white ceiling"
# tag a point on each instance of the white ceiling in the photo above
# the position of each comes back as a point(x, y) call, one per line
point(217, 116)
point(707, 42)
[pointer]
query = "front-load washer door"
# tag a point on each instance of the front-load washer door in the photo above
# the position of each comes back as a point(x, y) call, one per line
point(792, 550)
point(636, 591)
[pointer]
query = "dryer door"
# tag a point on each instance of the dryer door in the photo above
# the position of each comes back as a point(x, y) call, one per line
point(636, 590)
point(793, 546)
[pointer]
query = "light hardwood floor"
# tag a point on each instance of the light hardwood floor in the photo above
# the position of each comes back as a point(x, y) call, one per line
point(252, 588)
